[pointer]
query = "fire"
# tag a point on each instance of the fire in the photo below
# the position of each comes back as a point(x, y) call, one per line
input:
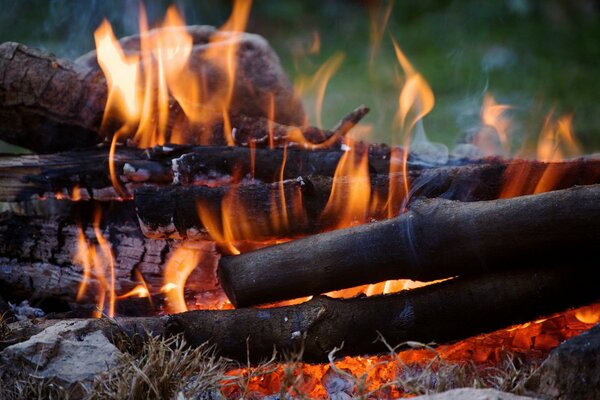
point(180, 265)
point(415, 101)
point(493, 115)
point(556, 142)
point(317, 84)
point(140, 291)
point(97, 261)
point(348, 202)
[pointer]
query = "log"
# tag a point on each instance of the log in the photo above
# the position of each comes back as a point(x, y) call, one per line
point(442, 312)
point(48, 105)
point(173, 211)
point(435, 239)
point(24, 176)
point(37, 255)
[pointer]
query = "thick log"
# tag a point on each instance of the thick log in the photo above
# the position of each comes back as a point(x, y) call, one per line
point(435, 239)
point(442, 312)
point(48, 105)
point(37, 256)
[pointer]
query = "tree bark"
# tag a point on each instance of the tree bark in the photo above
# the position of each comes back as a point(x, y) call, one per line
point(435, 239)
point(442, 312)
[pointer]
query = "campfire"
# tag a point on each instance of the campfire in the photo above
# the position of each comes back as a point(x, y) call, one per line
point(177, 198)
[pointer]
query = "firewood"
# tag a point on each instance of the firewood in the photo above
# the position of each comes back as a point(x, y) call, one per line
point(442, 312)
point(173, 211)
point(48, 105)
point(435, 239)
point(37, 254)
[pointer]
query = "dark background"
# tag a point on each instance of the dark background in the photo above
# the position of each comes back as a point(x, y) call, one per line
point(532, 54)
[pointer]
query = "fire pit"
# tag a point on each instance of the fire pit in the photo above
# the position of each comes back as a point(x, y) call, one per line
point(180, 229)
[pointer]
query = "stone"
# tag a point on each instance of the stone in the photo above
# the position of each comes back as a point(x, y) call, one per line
point(472, 394)
point(259, 75)
point(69, 352)
point(572, 370)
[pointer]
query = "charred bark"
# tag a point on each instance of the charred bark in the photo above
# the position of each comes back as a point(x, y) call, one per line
point(37, 256)
point(442, 312)
point(435, 239)
point(258, 208)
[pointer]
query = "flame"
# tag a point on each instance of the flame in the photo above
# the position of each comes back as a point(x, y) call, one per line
point(350, 195)
point(493, 115)
point(379, 19)
point(144, 89)
point(97, 261)
point(179, 266)
point(556, 141)
point(140, 291)
point(121, 74)
point(317, 83)
point(415, 101)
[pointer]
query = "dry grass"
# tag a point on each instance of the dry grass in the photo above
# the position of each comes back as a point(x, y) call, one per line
point(163, 369)
point(4, 328)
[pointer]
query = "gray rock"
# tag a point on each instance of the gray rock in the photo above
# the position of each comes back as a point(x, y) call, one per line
point(572, 370)
point(68, 351)
point(472, 394)
point(259, 74)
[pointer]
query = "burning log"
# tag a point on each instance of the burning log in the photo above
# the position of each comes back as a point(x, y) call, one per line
point(435, 239)
point(174, 211)
point(37, 255)
point(441, 312)
point(48, 105)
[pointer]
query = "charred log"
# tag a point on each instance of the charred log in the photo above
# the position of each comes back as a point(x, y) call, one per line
point(446, 311)
point(435, 239)
point(37, 256)
point(174, 211)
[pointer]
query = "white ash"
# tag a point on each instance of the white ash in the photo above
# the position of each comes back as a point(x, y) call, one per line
point(24, 311)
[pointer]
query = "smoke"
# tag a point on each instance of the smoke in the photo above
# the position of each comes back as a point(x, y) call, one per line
point(66, 27)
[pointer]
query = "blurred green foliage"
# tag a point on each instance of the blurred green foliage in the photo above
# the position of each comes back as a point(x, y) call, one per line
point(532, 54)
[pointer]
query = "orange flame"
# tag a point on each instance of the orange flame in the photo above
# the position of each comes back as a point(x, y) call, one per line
point(141, 290)
point(97, 261)
point(348, 202)
point(493, 115)
point(415, 101)
point(556, 142)
point(378, 23)
point(317, 83)
point(180, 265)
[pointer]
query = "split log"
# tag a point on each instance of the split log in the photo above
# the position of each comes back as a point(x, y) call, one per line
point(435, 239)
point(48, 105)
point(442, 312)
point(37, 256)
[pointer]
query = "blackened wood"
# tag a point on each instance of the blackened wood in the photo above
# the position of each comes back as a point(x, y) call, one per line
point(442, 312)
point(435, 239)
point(173, 211)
